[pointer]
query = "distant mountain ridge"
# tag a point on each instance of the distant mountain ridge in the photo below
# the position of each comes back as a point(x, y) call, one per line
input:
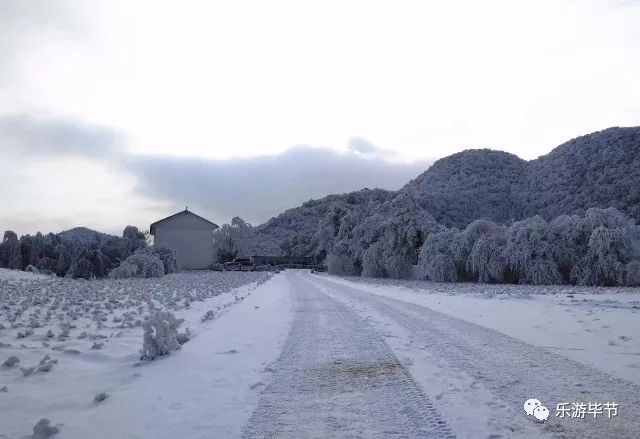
point(601, 169)
point(85, 234)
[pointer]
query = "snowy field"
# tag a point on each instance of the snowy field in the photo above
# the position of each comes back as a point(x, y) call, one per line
point(596, 326)
point(75, 339)
point(316, 356)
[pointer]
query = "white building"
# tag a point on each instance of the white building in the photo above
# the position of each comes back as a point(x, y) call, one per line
point(190, 235)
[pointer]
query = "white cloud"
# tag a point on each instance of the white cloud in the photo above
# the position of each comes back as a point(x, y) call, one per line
point(419, 79)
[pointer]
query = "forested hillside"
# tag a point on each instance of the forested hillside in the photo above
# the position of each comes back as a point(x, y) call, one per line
point(524, 203)
point(597, 170)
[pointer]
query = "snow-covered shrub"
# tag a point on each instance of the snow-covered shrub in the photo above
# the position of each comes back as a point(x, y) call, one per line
point(124, 271)
point(486, 261)
point(31, 269)
point(141, 264)
point(632, 277)
point(530, 252)
point(160, 335)
point(46, 364)
point(43, 429)
point(209, 315)
point(183, 337)
point(100, 397)
point(147, 265)
point(27, 371)
point(11, 361)
point(168, 256)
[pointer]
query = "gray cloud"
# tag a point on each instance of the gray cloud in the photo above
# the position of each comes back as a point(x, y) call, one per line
point(29, 135)
point(259, 188)
point(254, 188)
point(366, 148)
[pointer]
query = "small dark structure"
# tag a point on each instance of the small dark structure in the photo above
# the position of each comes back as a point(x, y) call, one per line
point(252, 262)
point(285, 261)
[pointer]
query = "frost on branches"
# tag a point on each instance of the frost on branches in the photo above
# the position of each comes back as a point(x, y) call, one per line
point(160, 335)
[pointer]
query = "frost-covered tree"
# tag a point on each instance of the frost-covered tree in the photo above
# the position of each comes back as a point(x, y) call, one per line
point(231, 240)
point(341, 261)
point(486, 262)
point(632, 274)
point(464, 242)
point(372, 261)
point(604, 264)
point(11, 254)
point(63, 259)
point(81, 268)
point(441, 268)
point(134, 239)
point(530, 252)
point(436, 260)
point(37, 249)
point(571, 239)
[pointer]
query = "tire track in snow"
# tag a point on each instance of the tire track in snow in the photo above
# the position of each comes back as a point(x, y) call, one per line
point(511, 369)
point(337, 378)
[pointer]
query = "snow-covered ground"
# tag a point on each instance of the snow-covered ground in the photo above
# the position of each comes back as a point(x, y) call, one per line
point(317, 356)
point(596, 326)
point(100, 353)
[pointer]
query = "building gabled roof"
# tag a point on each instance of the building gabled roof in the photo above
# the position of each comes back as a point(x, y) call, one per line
point(152, 228)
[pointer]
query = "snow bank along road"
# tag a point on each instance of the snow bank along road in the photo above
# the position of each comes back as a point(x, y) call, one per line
point(356, 364)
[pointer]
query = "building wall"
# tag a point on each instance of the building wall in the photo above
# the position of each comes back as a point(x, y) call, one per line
point(191, 238)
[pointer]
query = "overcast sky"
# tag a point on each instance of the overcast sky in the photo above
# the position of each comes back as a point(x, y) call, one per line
point(120, 112)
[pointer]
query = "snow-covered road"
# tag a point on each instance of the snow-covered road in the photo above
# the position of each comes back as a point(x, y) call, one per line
point(337, 378)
